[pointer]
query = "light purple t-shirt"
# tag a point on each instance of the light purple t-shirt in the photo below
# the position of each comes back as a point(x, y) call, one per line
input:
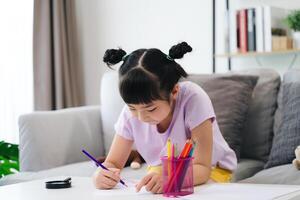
point(193, 106)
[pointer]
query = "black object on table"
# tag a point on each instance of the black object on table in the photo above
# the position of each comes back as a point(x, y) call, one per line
point(59, 184)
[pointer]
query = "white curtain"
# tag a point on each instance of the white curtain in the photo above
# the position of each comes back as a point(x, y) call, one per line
point(16, 73)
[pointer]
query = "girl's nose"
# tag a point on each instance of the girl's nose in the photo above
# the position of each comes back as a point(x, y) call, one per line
point(141, 116)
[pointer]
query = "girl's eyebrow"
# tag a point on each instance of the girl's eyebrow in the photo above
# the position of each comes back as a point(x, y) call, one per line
point(147, 106)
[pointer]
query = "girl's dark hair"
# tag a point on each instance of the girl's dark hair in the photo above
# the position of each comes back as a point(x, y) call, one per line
point(147, 74)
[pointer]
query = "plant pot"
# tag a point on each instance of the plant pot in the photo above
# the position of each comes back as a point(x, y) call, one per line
point(296, 40)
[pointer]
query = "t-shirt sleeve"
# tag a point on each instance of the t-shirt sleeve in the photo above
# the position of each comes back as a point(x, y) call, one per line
point(198, 109)
point(122, 126)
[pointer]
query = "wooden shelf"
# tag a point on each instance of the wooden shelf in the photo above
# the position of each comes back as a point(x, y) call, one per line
point(249, 54)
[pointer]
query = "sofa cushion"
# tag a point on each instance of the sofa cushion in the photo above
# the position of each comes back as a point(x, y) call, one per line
point(230, 96)
point(284, 174)
point(247, 168)
point(257, 136)
point(287, 136)
point(288, 77)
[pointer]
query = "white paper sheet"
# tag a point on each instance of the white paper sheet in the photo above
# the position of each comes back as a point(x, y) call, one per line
point(121, 190)
point(232, 191)
point(240, 191)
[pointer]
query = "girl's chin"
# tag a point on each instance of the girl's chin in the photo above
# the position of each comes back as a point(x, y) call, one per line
point(152, 122)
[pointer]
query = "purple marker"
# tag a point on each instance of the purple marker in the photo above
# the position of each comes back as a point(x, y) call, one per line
point(99, 164)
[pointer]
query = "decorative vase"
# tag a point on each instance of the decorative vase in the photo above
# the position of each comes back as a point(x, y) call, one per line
point(296, 38)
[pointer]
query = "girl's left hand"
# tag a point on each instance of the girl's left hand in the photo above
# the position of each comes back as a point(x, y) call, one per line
point(152, 182)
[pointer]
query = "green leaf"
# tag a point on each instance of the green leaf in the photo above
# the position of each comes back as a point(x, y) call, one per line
point(293, 20)
point(9, 158)
point(9, 151)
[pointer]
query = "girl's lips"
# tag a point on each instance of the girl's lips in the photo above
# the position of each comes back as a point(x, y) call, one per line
point(151, 122)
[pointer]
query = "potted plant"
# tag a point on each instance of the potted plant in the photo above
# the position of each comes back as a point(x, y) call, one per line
point(9, 158)
point(293, 21)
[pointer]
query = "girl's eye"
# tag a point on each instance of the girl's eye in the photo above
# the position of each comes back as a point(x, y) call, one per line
point(152, 109)
point(132, 109)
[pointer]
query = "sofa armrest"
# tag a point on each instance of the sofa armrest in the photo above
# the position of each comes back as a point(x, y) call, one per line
point(53, 138)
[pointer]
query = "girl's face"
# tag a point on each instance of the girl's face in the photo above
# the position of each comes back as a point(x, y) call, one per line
point(152, 113)
point(156, 111)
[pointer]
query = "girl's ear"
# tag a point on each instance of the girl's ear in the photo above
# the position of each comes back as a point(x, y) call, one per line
point(175, 91)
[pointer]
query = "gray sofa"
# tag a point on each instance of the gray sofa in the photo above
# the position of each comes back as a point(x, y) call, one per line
point(51, 141)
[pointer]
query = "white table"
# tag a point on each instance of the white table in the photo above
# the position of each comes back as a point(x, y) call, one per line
point(82, 188)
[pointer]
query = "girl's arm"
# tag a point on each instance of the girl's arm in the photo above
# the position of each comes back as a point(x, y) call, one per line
point(202, 136)
point(115, 161)
point(118, 153)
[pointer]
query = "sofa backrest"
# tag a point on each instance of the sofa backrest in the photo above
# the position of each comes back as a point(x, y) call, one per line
point(111, 106)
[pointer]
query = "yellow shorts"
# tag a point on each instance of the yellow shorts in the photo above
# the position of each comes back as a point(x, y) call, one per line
point(217, 174)
point(220, 175)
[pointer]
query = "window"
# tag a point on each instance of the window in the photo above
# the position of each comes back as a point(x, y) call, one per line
point(16, 73)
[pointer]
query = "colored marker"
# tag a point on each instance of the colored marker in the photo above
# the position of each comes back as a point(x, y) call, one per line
point(99, 164)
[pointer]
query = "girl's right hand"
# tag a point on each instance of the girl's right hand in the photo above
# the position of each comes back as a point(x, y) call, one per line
point(104, 179)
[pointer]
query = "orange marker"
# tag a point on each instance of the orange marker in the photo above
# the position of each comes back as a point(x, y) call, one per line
point(184, 149)
point(186, 153)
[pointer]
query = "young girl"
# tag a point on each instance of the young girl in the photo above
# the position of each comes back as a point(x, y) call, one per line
point(159, 107)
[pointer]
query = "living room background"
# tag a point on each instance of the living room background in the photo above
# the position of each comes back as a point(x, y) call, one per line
point(193, 19)
point(278, 62)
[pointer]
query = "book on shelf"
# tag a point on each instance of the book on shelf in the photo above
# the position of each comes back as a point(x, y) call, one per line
point(259, 31)
point(250, 29)
point(243, 33)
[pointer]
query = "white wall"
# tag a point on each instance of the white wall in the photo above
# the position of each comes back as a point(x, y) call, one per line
point(16, 77)
point(134, 24)
point(278, 62)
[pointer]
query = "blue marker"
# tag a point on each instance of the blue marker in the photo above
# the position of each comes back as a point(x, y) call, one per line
point(99, 164)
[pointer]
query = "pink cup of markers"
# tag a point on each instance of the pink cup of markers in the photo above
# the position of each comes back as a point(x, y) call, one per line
point(178, 170)
point(179, 180)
